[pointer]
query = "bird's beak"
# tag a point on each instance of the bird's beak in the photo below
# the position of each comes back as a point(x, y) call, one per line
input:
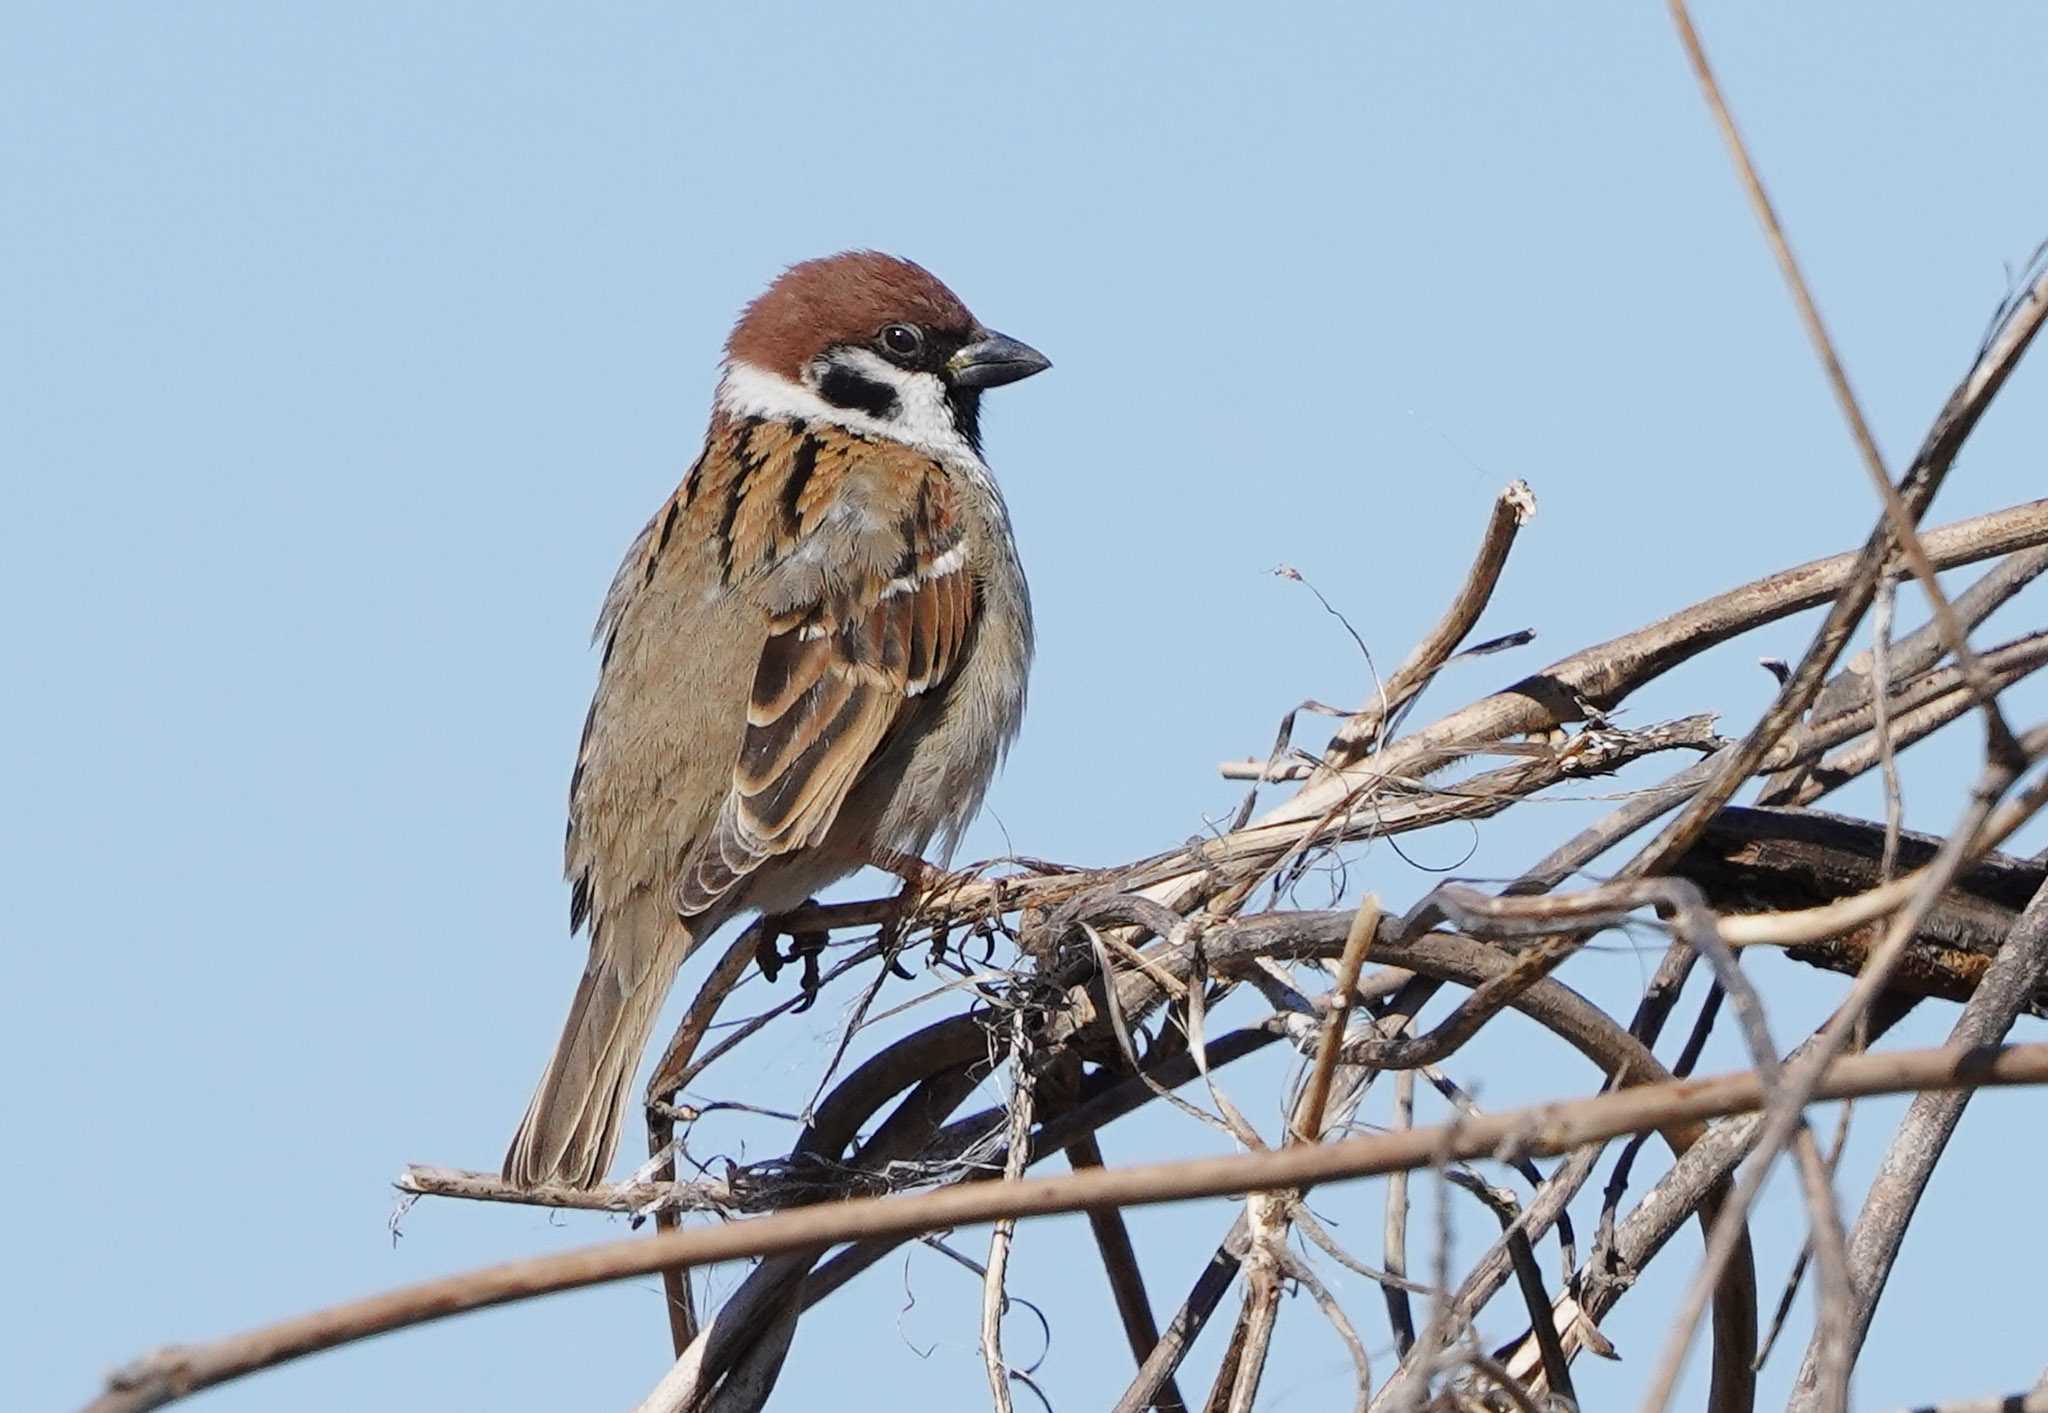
point(993, 360)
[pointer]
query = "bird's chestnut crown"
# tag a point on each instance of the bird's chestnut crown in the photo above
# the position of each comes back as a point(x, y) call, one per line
point(880, 340)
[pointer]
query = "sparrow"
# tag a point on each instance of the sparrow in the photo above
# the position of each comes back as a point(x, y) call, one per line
point(814, 658)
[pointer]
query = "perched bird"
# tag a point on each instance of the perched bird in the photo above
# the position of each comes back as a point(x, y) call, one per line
point(814, 658)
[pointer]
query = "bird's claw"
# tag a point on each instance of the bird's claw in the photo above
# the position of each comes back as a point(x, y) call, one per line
point(805, 947)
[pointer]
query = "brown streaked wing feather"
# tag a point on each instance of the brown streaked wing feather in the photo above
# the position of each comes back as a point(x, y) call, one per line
point(921, 640)
point(850, 655)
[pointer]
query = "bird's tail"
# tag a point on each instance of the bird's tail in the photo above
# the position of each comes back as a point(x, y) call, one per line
point(571, 1129)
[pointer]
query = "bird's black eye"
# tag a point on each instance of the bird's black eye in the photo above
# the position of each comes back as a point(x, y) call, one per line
point(903, 340)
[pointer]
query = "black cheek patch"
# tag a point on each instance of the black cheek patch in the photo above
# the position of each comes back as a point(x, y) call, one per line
point(967, 414)
point(843, 387)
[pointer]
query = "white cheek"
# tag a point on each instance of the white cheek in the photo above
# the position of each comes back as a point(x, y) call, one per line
point(923, 418)
point(924, 414)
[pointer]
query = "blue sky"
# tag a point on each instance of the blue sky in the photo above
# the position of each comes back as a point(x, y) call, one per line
point(344, 348)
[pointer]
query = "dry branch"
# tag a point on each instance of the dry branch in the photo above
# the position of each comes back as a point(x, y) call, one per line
point(1597, 678)
point(1979, 830)
point(753, 1330)
point(2013, 980)
point(1901, 516)
point(1512, 509)
point(1101, 955)
point(1775, 861)
point(163, 1377)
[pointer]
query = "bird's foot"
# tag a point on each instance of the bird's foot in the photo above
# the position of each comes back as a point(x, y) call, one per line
point(805, 945)
point(919, 878)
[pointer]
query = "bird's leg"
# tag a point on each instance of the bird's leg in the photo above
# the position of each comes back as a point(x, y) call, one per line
point(767, 952)
point(917, 875)
point(919, 878)
point(804, 946)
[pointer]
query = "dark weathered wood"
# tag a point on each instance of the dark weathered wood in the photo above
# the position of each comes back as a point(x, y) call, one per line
point(1765, 860)
point(2016, 974)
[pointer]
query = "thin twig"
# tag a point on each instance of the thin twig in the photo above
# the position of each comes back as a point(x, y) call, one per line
point(671, 1073)
point(1126, 1277)
point(993, 1300)
point(1299, 1271)
point(1187, 1322)
point(1513, 508)
point(2016, 973)
point(1913, 654)
point(1784, 1117)
point(1904, 521)
point(161, 1378)
point(1356, 945)
point(1394, 1251)
point(1557, 1371)
point(1881, 726)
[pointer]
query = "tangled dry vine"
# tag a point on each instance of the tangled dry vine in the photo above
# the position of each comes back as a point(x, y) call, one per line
point(1102, 1007)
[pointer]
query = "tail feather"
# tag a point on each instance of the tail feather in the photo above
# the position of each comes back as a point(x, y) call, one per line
point(571, 1129)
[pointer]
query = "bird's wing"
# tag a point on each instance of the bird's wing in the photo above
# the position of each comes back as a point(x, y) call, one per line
point(857, 551)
